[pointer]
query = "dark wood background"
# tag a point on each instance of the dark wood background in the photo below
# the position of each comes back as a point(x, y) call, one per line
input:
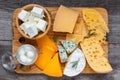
point(113, 6)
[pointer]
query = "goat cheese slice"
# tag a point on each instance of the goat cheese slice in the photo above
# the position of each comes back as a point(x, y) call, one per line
point(62, 54)
point(38, 12)
point(23, 15)
point(69, 46)
point(32, 31)
point(42, 25)
point(76, 63)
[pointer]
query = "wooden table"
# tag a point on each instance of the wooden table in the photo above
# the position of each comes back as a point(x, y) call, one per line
point(113, 6)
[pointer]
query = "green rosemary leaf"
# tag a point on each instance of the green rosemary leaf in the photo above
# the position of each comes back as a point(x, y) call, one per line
point(55, 39)
point(91, 33)
point(21, 66)
point(74, 64)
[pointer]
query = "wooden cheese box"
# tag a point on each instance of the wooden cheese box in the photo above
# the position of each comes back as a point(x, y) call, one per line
point(16, 37)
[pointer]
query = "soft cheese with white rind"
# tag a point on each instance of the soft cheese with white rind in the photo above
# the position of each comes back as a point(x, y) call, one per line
point(38, 12)
point(23, 15)
point(77, 55)
point(42, 25)
point(69, 46)
point(62, 54)
point(32, 31)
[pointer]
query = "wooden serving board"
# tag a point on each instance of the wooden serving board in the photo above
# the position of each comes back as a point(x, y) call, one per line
point(16, 36)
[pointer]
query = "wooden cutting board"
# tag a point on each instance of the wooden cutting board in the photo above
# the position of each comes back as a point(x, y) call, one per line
point(16, 36)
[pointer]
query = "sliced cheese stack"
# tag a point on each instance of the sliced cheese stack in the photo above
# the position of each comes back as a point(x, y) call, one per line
point(95, 55)
point(65, 20)
point(95, 23)
point(32, 21)
point(76, 63)
point(48, 59)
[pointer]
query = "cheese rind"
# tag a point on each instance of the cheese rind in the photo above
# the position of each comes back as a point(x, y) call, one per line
point(95, 55)
point(62, 54)
point(77, 55)
point(69, 46)
point(65, 19)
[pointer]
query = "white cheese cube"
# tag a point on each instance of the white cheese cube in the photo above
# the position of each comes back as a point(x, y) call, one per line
point(42, 25)
point(26, 25)
point(23, 15)
point(30, 18)
point(39, 12)
point(32, 31)
point(36, 19)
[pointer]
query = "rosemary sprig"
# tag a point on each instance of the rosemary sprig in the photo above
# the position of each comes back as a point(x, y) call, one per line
point(91, 33)
point(55, 39)
point(75, 63)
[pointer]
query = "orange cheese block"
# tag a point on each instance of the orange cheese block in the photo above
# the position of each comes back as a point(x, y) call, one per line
point(44, 57)
point(45, 41)
point(54, 67)
point(65, 19)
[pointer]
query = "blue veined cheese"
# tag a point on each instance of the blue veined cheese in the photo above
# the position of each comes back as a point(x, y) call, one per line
point(76, 63)
point(23, 15)
point(62, 54)
point(42, 25)
point(24, 26)
point(38, 12)
point(69, 46)
point(32, 31)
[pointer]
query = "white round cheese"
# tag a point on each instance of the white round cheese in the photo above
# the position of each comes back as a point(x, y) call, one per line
point(30, 54)
point(76, 63)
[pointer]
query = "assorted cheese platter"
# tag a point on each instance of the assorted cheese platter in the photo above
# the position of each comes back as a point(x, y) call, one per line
point(75, 43)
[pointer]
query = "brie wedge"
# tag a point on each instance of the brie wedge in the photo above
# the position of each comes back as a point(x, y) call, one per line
point(76, 63)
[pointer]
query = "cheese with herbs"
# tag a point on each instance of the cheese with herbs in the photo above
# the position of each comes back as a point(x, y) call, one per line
point(76, 63)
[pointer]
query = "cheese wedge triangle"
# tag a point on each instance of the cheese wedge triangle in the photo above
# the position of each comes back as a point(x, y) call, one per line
point(69, 46)
point(95, 55)
point(54, 67)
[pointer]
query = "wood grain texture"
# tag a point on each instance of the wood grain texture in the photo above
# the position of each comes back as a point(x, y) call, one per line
point(113, 6)
point(16, 35)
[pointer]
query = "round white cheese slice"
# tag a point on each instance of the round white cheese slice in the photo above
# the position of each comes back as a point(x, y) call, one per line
point(72, 68)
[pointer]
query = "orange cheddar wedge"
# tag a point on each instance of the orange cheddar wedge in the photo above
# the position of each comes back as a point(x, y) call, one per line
point(54, 67)
point(44, 57)
point(46, 41)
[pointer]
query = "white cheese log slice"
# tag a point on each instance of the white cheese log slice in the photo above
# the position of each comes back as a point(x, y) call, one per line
point(23, 15)
point(38, 12)
point(41, 25)
point(32, 31)
point(69, 46)
point(62, 54)
point(77, 55)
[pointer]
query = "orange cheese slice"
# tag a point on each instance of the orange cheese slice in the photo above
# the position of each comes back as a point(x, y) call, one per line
point(45, 41)
point(54, 67)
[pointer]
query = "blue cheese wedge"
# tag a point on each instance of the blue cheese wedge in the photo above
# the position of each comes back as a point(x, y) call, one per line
point(38, 12)
point(62, 54)
point(42, 25)
point(76, 63)
point(32, 31)
point(23, 15)
point(69, 46)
